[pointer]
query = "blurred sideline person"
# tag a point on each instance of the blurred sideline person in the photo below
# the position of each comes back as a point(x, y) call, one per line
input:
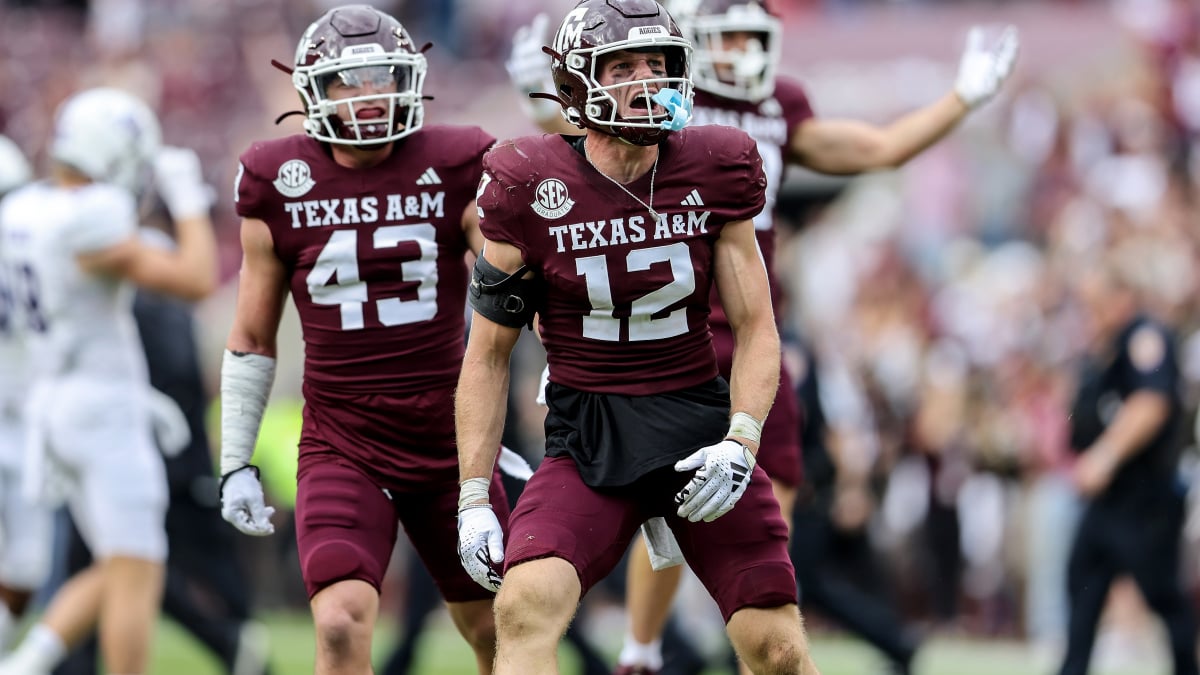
point(737, 49)
point(618, 266)
point(206, 590)
point(1125, 423)
point(71, 243)
point(26, 528)
point(863, 606)
point(366, 220)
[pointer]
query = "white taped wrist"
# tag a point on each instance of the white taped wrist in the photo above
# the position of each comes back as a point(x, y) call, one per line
point(246, 381)
point(744, 426)
point(473, 490)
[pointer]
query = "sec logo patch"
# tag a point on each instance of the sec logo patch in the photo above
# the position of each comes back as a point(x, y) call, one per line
point(551, 199)
point(294, 179)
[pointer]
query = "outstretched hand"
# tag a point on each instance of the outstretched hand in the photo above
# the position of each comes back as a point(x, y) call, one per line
point(527, 65)
point(983, 67)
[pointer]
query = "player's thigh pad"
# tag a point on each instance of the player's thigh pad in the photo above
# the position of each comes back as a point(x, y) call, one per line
point(345, 523)
point(742, 557)
point(559, 516)
point(428, 518)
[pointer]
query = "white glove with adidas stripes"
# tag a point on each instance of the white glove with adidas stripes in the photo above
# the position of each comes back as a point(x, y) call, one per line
point(722, 473)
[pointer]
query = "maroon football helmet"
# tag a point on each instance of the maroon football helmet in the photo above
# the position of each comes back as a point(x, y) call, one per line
point(595, 28)
point(360, 49)
point(745, 73)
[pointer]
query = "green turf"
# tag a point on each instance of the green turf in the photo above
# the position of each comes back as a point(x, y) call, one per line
point(443, 653)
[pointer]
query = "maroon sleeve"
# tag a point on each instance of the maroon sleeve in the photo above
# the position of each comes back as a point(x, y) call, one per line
point(794, 101)
point(499, 197)
point(738, 173)
point(249, 195)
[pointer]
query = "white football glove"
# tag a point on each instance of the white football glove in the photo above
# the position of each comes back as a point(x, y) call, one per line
point(180, 182)
point(243, 504)
point(723, 472)
point(983, 69)
point(529, 68)
point(481, 544)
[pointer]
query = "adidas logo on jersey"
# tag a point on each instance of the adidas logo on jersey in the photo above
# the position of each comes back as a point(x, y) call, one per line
point(430, 177)
point(693, 199)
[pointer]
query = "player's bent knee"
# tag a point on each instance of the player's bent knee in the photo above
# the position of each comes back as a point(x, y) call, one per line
point(538, 596)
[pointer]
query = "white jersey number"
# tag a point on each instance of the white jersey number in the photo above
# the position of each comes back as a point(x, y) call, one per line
point(334, 279)
point(602, 324)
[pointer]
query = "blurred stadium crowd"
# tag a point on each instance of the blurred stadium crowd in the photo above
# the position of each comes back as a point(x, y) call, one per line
point(940, 301)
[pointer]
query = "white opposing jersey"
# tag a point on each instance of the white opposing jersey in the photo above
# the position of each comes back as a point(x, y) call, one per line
point(74, 324)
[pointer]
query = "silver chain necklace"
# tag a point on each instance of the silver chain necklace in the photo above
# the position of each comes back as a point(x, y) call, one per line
point(653, 175)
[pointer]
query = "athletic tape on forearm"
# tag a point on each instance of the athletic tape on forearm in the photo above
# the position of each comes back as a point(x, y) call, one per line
point(473, 490)
point(245, 384)
point(744, 426)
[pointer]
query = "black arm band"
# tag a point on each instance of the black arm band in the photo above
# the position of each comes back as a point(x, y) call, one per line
point(506, 299)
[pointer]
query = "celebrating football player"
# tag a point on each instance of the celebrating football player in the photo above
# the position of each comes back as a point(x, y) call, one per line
point(614, 240)
point(737, 48)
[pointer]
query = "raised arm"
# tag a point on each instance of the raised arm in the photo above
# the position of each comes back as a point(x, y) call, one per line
point(838, 146)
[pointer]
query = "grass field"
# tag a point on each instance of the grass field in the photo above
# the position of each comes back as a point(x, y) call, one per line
point(443, 653)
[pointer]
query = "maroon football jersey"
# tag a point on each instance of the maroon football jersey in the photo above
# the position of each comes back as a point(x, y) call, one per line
point(374, 256)
point(627, 296)
point(771, 123)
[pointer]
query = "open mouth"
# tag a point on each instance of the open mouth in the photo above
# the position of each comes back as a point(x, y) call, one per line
point(371, 121)
point(642, 106)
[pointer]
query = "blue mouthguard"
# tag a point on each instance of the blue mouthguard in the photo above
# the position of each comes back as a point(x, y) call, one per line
point(679, 109)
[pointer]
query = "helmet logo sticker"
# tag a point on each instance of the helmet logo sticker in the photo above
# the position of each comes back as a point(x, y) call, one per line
point(551, 199)
point(295, 178)
point(570, 34)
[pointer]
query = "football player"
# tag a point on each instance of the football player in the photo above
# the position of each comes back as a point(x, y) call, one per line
point(71, 252)
point(614, 240)
point(25, 528)
point(737, 47)
point(206, 589)
point(365, 219)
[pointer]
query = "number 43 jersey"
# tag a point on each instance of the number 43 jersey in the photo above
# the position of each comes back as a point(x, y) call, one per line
point(627, 294)
point(374, 256)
